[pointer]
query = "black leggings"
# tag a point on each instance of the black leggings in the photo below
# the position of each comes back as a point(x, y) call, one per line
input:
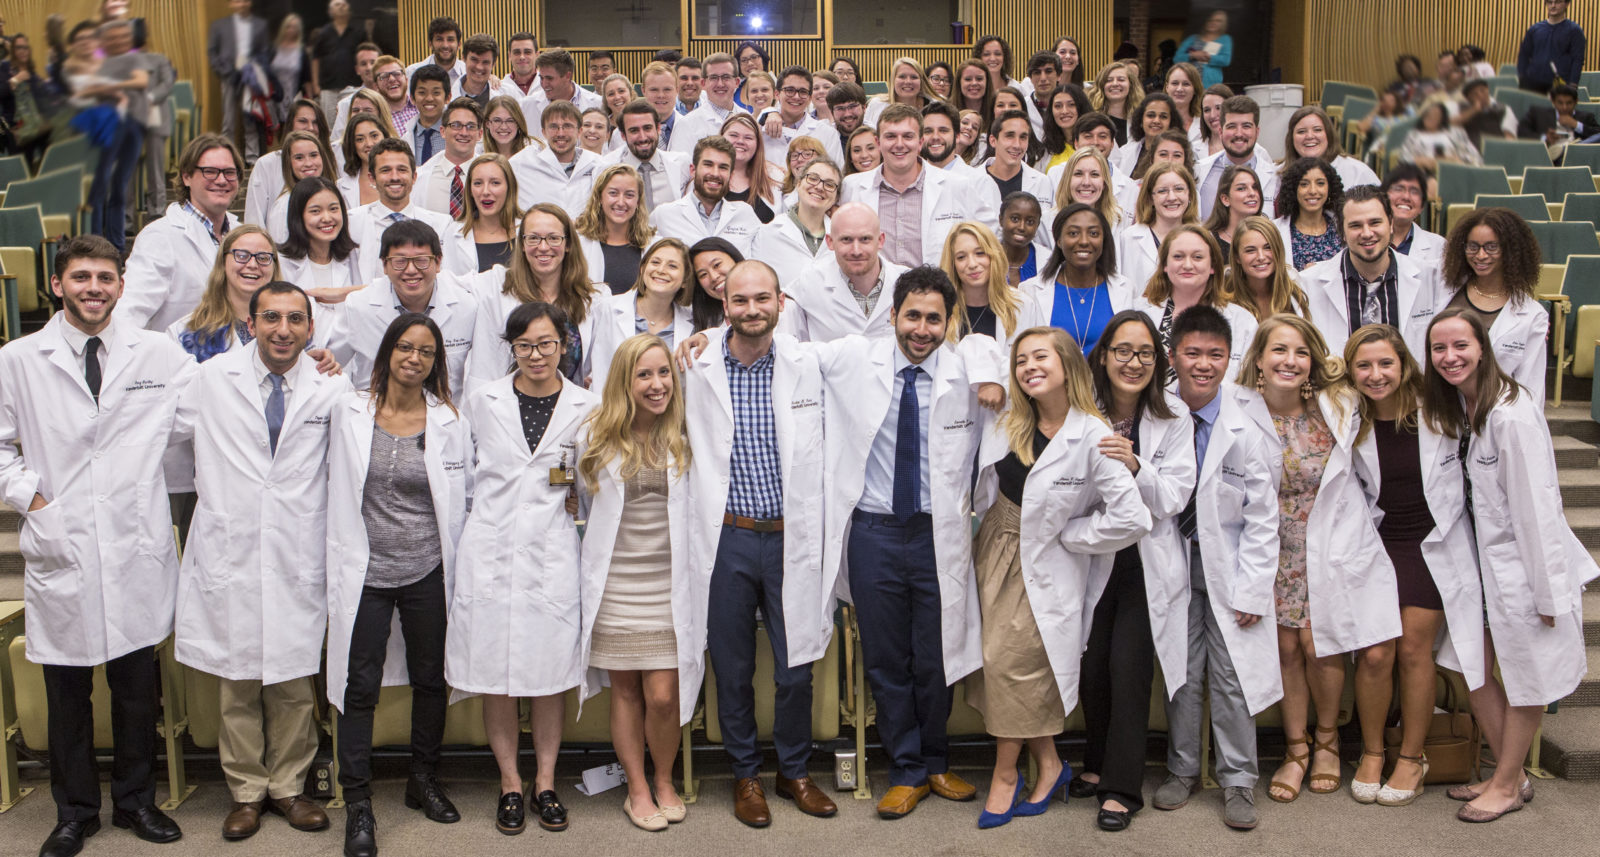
point(1114, 688)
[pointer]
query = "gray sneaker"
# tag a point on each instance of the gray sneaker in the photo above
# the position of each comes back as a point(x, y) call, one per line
point(1175, 792)
point(1239, 807)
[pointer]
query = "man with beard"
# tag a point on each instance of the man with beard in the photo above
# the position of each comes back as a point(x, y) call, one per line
point(444, 38)
point(663, 173)
point(1241, 125)
point(392, 167)
point(847, 103)
point(940, 122)
point(704, 213)
point(394, 85)
point(841, 293)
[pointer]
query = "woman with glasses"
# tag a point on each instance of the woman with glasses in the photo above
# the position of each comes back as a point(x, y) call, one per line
point(515, 613)
point(802, 151)
point(399, 462)
point(1492, 263)
point(484, 238)
point(505, 129)
point(792, 241)
point(942, 79)
point(615, 228)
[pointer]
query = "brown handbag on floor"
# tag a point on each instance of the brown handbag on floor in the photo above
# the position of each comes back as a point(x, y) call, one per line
point(1452, 743)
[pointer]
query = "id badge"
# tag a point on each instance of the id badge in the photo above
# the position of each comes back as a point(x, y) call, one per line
point(563, 475)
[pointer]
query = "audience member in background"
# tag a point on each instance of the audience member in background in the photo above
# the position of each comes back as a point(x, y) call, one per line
point(1552, 50)
point(333, 56)
point(1433, 140)
point(1391, 108)
point(233, 43)
point(1211, 49)
point(1474, 61)
point(291, 66)
point(122, 80)
point(33, 102)
point(1560, 122)
point(1406, 186)
point(1409, 85)
point(1481, 116)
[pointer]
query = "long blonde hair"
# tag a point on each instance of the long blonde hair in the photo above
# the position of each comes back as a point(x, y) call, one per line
point(1286, 296)
point(508, 211)
point(611, 424)
point(215, 312)
point(1021, 422)
point(1408, 392)
point(1326, 369)
point(760, 181)
point(1108, 198)
point(575, 292)
point(925, 89)
point(1146, 206)
point(1097, 95)
point(1002, 298)
point(592, 222)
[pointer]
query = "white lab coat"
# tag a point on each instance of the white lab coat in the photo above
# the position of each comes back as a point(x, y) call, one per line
point(368, 222)
point(167, 271)
point(252, 589)
point(1166, 479)
point(673, 165)
point(542, 178)
point(1518, 339)
point(781, 245)
point(1427, 249)
point(266, 183)
point(299, 272)
point(490, 358)
point(534, 105)
point(1126, 156)
point(1419, 292)
point(461, 252)
point(737, 222)
point(824, 307)
point(361, 321)
point(614, 323)
point(1353, 172)
point(1033, 182)
point(1448, 550)
point(178, 461)
point(797, 412)
point(1532, 564)
point(689, 594)
point(436, 197)
point(100, 564)
point(705, 120)
point(1138, 255)
point(1038, 302)
point(821, 130)
point(947, 199)
point(447, 455)
point(1242, 326)
point(517, 574)
point(858, 377)
point(1236, 523)
point(1078, 509)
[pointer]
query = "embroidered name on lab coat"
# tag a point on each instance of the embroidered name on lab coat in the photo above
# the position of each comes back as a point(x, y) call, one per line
point(1069, 482)
point(318, 420)
point(1488, 460)
point(798, 404)
point(144, 384)
point(1229, 470)
point(455, 465)
point(959, 425)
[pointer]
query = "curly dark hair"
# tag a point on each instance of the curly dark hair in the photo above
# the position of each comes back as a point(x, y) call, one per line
point(1288, 201)
point(1520, 256)
point(1136, 121)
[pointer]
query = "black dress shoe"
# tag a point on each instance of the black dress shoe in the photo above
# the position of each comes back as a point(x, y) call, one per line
point(424, 792)
point(67, 839)
point(1080, 787)
point(1113, 820)
point(147, 823)
point(552, 815)
point(360, 830)
point(508, 818)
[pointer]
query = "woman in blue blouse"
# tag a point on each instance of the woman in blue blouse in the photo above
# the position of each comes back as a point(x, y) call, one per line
point(1211, 49)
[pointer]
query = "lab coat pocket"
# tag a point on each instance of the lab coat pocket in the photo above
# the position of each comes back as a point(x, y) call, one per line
point(43, 541)
point(1504, 570)
point(1228, 501)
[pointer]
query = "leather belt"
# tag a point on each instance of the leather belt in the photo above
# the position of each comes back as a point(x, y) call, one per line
point(759, 525)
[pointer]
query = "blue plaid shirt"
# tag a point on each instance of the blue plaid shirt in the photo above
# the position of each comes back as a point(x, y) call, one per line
point(755, 488)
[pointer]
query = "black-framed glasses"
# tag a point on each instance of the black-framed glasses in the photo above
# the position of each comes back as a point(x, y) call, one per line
point(795, 90)
point(391, 75)
point(462, 126)
point(828, 185)
point(400, 263)
point(244, 256)
point(545, 347)
point(272, 316)
point(1492, 248)
point(1126, 353)
point(211, 174)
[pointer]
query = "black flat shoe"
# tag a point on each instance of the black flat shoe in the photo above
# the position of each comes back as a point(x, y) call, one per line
point(67, 838)
point(552, 815)
point(1080, 787)
point(424, 792)
point(1113, 820)
point(147, 823)
point(508, 819)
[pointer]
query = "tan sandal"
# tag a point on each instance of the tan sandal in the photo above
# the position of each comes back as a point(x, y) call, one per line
point(1323, 784)
point(1292, 758)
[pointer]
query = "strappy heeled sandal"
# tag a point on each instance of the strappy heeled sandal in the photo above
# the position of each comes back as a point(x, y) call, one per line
point(1323, 784)
point(1303, 759)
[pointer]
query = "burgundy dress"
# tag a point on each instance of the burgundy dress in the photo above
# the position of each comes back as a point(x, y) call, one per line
point(1406, 519)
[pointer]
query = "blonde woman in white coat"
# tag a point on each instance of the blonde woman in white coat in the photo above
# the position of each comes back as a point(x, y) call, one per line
point(374, 559)
point(643, 628)
point(1415, 489)
point(657, 304)
point(515, 612)
point(1136, 610)
point(1335, 590)
point(1055, 510)
point(1533, 568)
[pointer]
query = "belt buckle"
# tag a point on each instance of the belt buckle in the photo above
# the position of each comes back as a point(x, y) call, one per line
point(765, 525)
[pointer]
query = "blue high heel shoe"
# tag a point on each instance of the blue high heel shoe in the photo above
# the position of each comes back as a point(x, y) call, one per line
point(987, 819)
point(1038, 807)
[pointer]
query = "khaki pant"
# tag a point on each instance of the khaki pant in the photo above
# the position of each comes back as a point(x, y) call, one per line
point(268, 737)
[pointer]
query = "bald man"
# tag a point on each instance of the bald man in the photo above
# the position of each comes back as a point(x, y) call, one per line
point(849, 290)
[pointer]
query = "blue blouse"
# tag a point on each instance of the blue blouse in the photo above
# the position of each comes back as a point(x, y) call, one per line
point(1083, 313)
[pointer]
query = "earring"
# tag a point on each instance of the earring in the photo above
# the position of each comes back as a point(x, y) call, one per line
point(1261, 382)
point(1307, 391)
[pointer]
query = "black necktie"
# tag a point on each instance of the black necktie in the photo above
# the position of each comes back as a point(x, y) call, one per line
point(91, 366)
point(1186, 521)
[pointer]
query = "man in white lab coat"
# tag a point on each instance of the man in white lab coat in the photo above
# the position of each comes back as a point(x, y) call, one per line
point(392, 167)
point(252, 609)
point(704, 212)
point(101, 566)
point(794, 119)
point(561, 172)
point(556, 86)
point(721, 80)
point(664, 173)
point(846, 290)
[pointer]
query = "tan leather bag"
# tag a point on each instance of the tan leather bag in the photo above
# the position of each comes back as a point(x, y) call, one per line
point(1453, 740)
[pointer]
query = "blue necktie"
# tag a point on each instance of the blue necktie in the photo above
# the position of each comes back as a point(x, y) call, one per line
point(275, 410)
point(427, 146)
point(397, 217)
point(908, 449)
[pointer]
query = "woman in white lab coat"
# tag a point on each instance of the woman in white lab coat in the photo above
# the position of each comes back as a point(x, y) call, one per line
point(1189, 272)
point(319, 253)
point(1167, 200)
point(1137, 610)
point(487, 234)
point(1533, 568)
point(1055, 510)
point(1500, 286)
point(657, 304)
point(393, 525)
point(1078, 289)
point(304, 156)
point(1415, 490)
point(515, 613)
point(1335, 590)
point(643, 610)
point(614, 228)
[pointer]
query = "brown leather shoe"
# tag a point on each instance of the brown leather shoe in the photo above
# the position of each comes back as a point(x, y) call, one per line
point(951, 787)
point(806, 796)
point(242, 822)
point(750, 802)
point(302, 812)
point(901, 800)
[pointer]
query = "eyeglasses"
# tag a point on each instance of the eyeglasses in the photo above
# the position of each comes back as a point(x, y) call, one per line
point(828, 185)
point(545, 347)
point(502, 122)
point(794, 90)
point(464, 126)
point(244, 256)
point(392, 75)
point(426, 352)
point(550, 240)
point(1125, 353)
point(400, 263)
point(720, 78)
point(1492, 248)
point(272, 316)
point(211, 174)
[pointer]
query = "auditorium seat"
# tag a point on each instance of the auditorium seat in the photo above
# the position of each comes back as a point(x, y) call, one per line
point(1584, 155)
point(1516, 156)
point(1355, 110)
point(1581, 208)
point(28, 255)
point(1580, 288)
point(11, 789)
point(824, 692)
point(1530, 207)
point(1554, 183)
point(1462, 183)
point(1335, 93)
point(59, 195)
point(1519, 100)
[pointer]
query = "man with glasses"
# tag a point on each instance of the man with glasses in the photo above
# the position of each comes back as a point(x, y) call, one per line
point(411, 281)
point(392, 167)
point(253, 610)
point(390, 78)
point(793, 119)
point(706, 120)
point(173, 257)
point(664, 173)
point(561, 172)
point(847, 104)
point(441, 184)
point(705, 212)
point(556, 86)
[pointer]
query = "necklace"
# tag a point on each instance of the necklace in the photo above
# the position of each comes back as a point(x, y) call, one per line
point(978, 317)
point(1485, 295)
point(1079, 333)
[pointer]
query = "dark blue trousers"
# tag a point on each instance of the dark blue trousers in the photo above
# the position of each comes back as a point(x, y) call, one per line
point(894, 580)
point(747, 575)
point(108, 193)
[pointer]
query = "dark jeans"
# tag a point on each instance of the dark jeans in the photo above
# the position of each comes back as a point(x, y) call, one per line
point(1114, 688)
point(422, 621)
point(748, 574)
point(108, 195)
point(74, 778)
point(894, 581)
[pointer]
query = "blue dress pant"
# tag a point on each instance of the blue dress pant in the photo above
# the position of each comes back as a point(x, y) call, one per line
point(108, 194)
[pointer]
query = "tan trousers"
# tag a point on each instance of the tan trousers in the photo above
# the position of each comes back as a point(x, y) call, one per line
point(268, 737)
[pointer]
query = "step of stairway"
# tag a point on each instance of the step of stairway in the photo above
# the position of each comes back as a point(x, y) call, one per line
point(1585, 524)
point(1580, 487)
point(1570, 747)
point(1573, 453)
point(1573, 420)
point(1591, 614)
point(1588, 693)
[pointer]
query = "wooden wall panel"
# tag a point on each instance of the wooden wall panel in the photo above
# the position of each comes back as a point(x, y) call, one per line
point(1030, 26)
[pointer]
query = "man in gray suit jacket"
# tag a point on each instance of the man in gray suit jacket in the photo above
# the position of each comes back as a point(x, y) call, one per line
point(232, 43)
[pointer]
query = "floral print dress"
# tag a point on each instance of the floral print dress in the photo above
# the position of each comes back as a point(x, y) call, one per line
point(1306, 445)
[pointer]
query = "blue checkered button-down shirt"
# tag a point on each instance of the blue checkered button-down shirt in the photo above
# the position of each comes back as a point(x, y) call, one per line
point(755, 488)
